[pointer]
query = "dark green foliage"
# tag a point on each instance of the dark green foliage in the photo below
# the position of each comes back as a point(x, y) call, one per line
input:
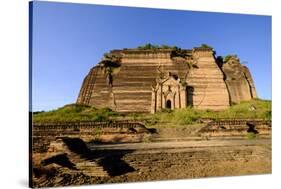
point(166, 47)
point(228, 57)
point(106, 55)
point(178, 52)
point(206, 46)
point(110, 63)
point(38, 112)
point(111, 60)
point(149, 46)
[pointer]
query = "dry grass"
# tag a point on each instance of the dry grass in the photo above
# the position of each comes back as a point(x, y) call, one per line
point(256, 108)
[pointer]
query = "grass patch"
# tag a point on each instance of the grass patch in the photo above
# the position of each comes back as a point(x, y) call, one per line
point(75, 112)
point(251, 136)
point(180, 117)
point(244, 110)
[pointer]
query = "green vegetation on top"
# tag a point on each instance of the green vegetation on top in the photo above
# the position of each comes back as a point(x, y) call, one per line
point(253, 109)
point(149, 46)
point(176, 51)
point(206, 46)
point(227, 57)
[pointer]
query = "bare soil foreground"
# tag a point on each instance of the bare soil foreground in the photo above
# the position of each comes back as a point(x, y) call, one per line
point(131, 162)
point(193, 159)
point(78, 144)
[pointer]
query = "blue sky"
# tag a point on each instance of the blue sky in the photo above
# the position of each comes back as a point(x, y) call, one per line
point(68, 39)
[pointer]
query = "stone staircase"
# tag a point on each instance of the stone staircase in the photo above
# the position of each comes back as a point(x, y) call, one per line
point(82, 158)
point(91, 168)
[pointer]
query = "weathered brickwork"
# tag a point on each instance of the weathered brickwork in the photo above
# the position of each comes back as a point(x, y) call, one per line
point(134, 80)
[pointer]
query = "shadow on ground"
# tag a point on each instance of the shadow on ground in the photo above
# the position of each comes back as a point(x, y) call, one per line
point(110, 160)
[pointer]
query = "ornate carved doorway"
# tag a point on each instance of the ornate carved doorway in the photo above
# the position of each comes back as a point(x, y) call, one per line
point(168, 104)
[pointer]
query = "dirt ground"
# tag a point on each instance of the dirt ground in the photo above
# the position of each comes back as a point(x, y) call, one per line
point(170, 153)
point(165, 171)
point(168, 161)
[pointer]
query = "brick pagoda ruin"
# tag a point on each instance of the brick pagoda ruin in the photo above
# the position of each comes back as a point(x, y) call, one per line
point(148, 80)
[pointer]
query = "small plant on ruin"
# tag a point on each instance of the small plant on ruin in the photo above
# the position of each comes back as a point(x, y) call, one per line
point(183, 83)
point(206, 46)
point(178, 52)
point(110, 64)
point(146, 138)
point(97, 132)
point(149, 46)
point(165, 47)
point(111, 60)
point(190, 64)
point(251, 135)
point(228, 57)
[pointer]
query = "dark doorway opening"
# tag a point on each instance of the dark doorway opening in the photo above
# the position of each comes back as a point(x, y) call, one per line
point(189, 96)
point(168, 104)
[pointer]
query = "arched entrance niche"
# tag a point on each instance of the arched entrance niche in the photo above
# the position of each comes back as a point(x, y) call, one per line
point(168, 104)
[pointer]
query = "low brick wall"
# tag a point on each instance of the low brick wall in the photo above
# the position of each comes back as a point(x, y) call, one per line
point(117, 131)
point(236, 127)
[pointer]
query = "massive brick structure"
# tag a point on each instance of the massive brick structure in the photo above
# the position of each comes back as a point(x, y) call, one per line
point(148, 80)
point(239, 80)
